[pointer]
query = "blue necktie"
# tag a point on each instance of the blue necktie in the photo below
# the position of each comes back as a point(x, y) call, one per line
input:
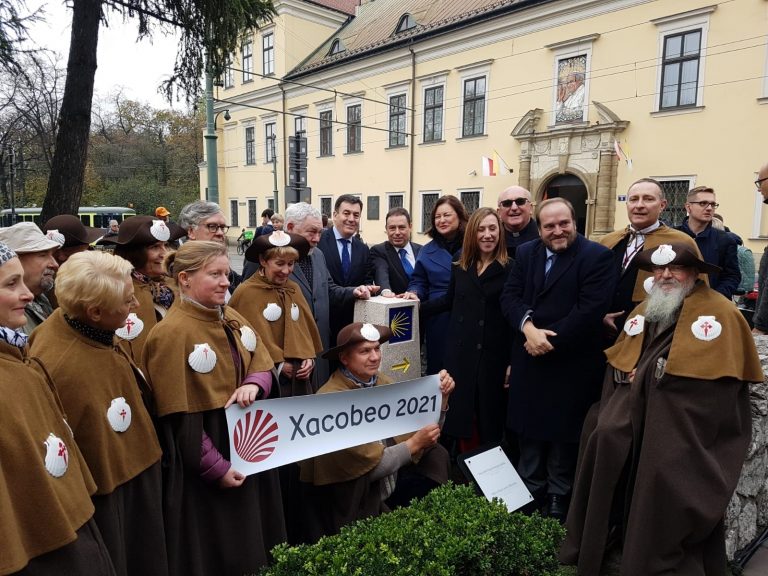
point(346, 262)
point(404, 259)
point(548, 266)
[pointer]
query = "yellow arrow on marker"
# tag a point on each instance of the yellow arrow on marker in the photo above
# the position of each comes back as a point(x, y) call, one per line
point(404, 365)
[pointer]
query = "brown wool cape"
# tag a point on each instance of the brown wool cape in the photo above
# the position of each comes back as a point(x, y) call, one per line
point(284, 338)
point(662, 235)
point(30, 497)
point(125, 465)
point(209, 530)
point(665, 455)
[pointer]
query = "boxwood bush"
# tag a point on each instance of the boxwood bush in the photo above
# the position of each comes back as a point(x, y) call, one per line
point(450, 532)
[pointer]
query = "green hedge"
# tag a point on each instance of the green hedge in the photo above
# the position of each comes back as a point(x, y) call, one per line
point(450, 532)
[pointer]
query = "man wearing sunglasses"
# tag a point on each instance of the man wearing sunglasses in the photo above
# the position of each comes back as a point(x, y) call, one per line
point(716, 246)
point(205, 221)
point(515, 210)
point(760, 319)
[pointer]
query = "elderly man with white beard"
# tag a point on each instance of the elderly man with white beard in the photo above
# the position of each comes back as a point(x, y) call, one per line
point(658, 470)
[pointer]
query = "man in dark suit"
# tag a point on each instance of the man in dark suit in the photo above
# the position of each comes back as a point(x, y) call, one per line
point(392, 261)
point(555, 297)
point(345, 255)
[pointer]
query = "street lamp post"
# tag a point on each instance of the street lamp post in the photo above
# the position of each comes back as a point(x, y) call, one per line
point(274, 170)
point(211, 155)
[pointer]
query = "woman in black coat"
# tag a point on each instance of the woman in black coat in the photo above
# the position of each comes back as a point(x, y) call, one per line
point(477, 342)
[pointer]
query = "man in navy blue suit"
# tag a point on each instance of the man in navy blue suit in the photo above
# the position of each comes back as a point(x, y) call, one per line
point(557, 293)
point(346, 256)
point(392, 261)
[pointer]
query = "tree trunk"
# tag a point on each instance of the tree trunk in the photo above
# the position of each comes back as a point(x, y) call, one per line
point(65, 184)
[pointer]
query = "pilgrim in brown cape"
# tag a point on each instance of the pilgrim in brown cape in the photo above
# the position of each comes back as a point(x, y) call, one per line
point(209, 530)
point(124, 460)
point(46, 525)
point(337, 487)
point(659, 468)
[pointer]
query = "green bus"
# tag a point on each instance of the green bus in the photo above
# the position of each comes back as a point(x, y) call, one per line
point(93, 216)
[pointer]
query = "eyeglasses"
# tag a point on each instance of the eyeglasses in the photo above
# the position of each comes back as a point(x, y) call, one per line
point(673, 268)
point(704, 204)
point(760, 181)
point(212, 228)
point(508, 203)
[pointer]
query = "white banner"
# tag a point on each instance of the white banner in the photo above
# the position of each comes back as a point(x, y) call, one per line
point(271, 433)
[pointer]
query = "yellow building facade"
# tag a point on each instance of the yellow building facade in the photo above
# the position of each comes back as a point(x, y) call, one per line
point(399, 101)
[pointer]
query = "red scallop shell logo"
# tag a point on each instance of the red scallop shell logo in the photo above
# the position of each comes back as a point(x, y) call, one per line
point(255, 436)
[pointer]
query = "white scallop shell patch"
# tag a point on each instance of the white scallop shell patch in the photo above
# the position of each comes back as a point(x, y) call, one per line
point(159, 230)
point(132, 328)
point(648, 284)
point(294, 312)
point(119, 415)
point(663, 255)
point(370, 332)
point(248, 338)
point(706, 328)
point(272, 312)
point(634, 326)
point(202, 359)
point(56, 456)
point(56, 236)
point(279, 238)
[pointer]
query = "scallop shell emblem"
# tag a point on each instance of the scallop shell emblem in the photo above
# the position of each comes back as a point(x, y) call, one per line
point(248, 338)
point(56, 456)
point(635, 325)
point(159, 230)
point(272, 312)
point(202, 359)
point(119, 415)
point(294, 312)
point(370, 332)
point(255, 436)
point(279, 238)
point(133, 327)
point(56, 236)
point(663, 255)
point(706, 328)
point(648, 284)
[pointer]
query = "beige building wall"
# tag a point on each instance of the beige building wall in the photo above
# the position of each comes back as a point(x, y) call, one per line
point(719, 142)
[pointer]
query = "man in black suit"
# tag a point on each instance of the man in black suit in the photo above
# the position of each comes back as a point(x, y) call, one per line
point(346, 256)
point(392, 261)
point(555, 297)
point(515, 209)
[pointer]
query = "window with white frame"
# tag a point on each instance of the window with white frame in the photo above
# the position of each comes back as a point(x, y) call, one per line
point(676, 192)
point(354, 128)
point(229, 74)
point(270, 142)
point(395, 201)
point(268, 53)
point(682, 59)
point(473, 107)
point(397, 126)
point(470, 199)
point(252, 213)
point(428, 201)
point(300, 126)
point(247, 60)
point(433, 113)
point(326, 205)
point(233, 216)
point(271, 203)
point(326, 133)
point(250, 145)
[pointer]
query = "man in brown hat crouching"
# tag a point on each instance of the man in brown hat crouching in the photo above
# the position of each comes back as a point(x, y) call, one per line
point(658, 470)
point(352, 484)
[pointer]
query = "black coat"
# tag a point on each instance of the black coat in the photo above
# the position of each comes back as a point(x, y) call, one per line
point(477, 352)
point(549, 395)
point(387, 268)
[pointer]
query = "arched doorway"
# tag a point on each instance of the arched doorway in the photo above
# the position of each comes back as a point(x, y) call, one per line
point(572, 189)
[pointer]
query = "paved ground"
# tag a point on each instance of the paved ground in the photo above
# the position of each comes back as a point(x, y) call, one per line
point(235, 259)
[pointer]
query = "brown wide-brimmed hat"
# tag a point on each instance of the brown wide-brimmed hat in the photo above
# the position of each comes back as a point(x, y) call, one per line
point(357, 332)
point(675, 254)
point(276, 239)
point(74, 231)
point(144, 231)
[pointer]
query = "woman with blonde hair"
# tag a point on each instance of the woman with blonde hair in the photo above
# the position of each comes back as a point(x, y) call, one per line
point(46, 513)
point(477, 343)
point(203, 357)
point(108, 409)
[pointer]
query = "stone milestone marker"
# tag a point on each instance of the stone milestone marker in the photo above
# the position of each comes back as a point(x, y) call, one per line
point(401, 357)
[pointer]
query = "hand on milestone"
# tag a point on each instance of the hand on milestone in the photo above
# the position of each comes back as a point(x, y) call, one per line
point(232, 479)
point(408, 296)
point(365, 291)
